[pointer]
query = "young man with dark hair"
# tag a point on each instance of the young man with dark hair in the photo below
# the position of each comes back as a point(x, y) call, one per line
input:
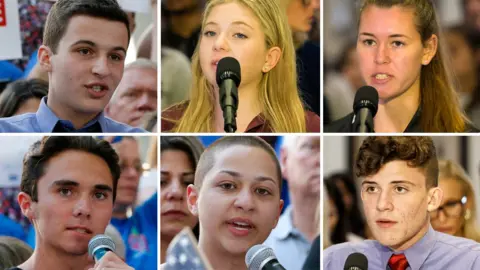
point(399, 189)
point(68, 190)
point(84, 48)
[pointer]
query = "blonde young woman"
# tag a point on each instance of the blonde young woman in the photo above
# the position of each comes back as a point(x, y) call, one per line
point(257, 34)
point(457, 214)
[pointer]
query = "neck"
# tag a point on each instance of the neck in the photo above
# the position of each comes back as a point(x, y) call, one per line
point(306, 219)
point(78, 119)
point(395, 114)
point(185, 24)
point(219, 258)
point(248, 108)
point(45, 259)
point(164, 242)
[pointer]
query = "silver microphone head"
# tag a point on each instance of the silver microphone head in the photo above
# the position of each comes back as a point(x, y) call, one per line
point(100, 241)
point(257, 256)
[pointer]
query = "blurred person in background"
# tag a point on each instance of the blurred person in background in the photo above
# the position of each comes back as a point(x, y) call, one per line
point(299, 224)
point(342, 84)
point(176, 77)
point(404, 59)
point(301, 15)
point(326, 242)
point(268, 97)
point(136, 94)
point(137, 225)
point(355, 222)
point(457, 215)
point(13, 252)
point(178, 160)
point(336, 214)
point(181, 24)
point(22, 96)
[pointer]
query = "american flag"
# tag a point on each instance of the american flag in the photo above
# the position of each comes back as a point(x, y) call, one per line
point(183, 254)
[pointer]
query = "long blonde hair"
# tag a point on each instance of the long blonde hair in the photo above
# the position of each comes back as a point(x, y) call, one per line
point(441, 110)
point(279, 97)
point(451, 170)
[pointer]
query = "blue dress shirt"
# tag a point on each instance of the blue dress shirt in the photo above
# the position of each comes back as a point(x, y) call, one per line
point(434, 251)
point(44, 121)
point(289, 245)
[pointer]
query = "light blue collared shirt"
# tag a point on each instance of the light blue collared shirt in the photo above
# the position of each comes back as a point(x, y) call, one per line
point(435, 250)
point(288, 243)
point(44, 120)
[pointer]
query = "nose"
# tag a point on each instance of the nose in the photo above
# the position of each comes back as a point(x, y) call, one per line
point(244, 200)
point(130, 172)
point(146, 103)
point(83, 207)
point(101, 67)
point(382, 54)
point(384, 202)
point(441, 217)
point(175, 191)
point(221, 43)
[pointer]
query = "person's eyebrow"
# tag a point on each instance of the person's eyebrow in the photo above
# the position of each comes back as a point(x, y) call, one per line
point(93, 44)
point(102, 187)
point(234, 23)
point(65, 183)
point(257, 178)
point(390, 36)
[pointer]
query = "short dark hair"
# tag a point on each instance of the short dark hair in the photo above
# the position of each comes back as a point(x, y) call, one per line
point(417, 151)
point(207, 160)
point(36, 159)
point(63, 10)
point(13, 252)
point(17, 92)
point(191, 146)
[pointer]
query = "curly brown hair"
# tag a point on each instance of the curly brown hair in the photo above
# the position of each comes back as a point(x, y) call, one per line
point(417, 151)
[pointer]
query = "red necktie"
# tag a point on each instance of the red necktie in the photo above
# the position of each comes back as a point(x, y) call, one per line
point(398, 262)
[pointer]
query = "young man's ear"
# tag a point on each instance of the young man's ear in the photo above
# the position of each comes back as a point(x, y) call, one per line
point(192, 199)
point(27, 205)
point(45, 58)
point(435, 197)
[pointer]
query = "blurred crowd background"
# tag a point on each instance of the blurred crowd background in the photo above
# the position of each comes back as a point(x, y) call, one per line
point(460, 20)
point(23, 83)
point(459, 178)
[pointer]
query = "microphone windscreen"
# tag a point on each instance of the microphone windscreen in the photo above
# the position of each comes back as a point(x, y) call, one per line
point(228, 68)
point(100, 241)
point(356, 261)
point(366, 97)
point(257, 255)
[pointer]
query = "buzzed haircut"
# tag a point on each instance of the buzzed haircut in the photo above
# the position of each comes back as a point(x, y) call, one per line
point(63, 10)
point(417, 151)
point(207, 159)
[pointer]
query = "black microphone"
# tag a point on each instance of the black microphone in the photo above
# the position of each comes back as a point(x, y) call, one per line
point(99, 245)
point(228, 80)
point(356, 261)
point(365, 107)
point(261, 257)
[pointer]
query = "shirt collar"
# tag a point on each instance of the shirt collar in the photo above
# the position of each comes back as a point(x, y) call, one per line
point(47, 119)
point(416, 254)
point(285, 225)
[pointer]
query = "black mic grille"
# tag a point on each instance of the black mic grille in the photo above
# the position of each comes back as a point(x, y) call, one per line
point(228, 68)
point(366, 97)
point(356, 261)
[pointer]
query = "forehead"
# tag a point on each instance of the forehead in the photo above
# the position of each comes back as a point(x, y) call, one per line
point(249, 161)
point(84, 168)
point(398, 171)
point(394, 20)
point(127, 148)
point(101, 31)
point(451, 188)
point(225, 14)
